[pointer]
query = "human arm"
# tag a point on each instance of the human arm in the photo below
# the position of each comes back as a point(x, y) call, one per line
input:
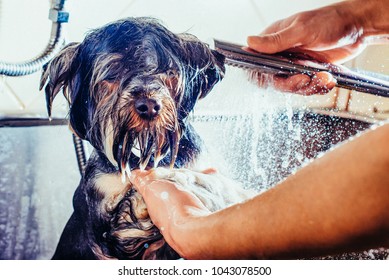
point(338, 203)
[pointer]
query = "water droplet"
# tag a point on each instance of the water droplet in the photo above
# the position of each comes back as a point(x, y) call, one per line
point(164, 195)
point(299, 156)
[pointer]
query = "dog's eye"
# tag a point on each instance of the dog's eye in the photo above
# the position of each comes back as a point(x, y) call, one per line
point(136, 91)
point(110, 79)
point(171, 73)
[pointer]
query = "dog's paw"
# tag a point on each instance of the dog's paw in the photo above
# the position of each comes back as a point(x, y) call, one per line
point(213, 189)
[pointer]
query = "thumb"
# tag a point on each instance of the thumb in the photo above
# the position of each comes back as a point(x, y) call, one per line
point(274, 42)
point(140, 179)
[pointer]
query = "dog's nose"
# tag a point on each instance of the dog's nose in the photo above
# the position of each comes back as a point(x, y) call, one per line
point(148, 108)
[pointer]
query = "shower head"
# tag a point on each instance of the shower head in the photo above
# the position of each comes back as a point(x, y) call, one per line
point(292, 63)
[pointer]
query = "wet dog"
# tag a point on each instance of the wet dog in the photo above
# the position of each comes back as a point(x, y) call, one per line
point(131, 86)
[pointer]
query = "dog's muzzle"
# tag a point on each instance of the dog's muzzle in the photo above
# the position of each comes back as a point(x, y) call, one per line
point(148, 108)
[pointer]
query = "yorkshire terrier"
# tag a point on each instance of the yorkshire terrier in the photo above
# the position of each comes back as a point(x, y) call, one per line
point(130, 86)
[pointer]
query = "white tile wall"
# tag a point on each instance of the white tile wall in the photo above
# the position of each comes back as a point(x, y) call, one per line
point(24, 31)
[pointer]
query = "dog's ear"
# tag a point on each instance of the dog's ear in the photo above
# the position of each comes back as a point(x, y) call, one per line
point(214, 72)
point(57, 74)
point(207, 64)
point(204, 68)
point(62, 73)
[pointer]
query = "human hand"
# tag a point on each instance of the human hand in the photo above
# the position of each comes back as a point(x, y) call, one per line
point(320, 83)
point(328, 34)
point(171, 207)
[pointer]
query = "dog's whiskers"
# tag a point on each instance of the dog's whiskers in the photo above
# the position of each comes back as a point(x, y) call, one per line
point(130, 85)
point(126, 173)
point(174, 143)
point(146, 145)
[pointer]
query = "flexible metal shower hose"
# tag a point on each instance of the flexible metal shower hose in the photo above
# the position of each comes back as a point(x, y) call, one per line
point(56, 42)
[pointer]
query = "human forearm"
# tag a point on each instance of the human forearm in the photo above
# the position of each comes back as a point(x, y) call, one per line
point(336, 204)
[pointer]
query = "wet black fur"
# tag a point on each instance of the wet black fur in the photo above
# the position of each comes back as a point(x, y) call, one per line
point(71, 72)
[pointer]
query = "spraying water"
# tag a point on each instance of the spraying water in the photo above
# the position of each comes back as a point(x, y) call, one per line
point(254, 136)
point(258, 137)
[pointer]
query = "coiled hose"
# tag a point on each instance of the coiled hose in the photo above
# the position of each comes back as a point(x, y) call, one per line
point(80, 153)
point(56, 42)
point(58, 16)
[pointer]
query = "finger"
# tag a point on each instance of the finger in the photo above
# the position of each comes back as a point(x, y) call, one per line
point(319, 56)
point(166, 203)
point(160, 201)
point(302, 84)
point(140, 179)
point(341, 54)
point(291, 84)
point(321, 83)
point(165, 184)
point(278, 25)
point(277, 41)
point(209, 171)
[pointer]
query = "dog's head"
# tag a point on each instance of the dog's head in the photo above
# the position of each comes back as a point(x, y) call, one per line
point(131, 85)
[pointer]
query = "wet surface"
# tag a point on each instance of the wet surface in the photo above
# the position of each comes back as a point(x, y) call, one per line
point(273, 144)
point(39, 173)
